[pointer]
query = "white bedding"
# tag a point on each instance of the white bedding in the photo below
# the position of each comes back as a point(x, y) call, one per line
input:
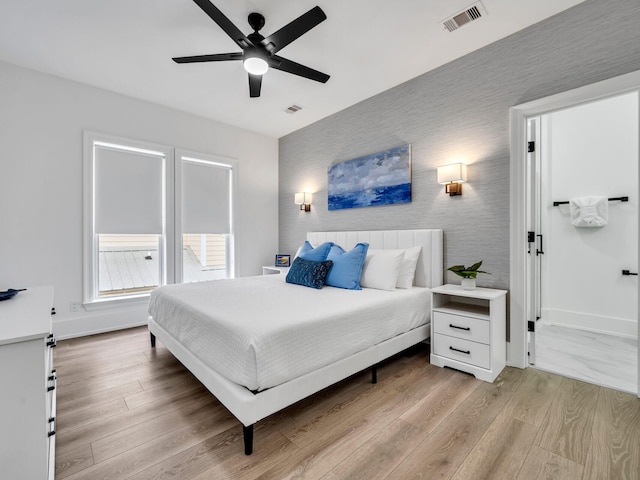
point(260, 332)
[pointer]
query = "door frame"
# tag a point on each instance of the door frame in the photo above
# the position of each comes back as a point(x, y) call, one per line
point(519, 114)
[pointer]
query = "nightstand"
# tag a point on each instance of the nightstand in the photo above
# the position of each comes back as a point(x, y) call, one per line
point(468, 330)
point(270, 270)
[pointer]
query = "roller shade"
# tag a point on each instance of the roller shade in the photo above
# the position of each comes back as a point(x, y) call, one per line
point(128, 191)
point(206, 190)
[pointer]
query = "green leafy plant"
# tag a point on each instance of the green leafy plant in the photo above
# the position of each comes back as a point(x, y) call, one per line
point(467, 272)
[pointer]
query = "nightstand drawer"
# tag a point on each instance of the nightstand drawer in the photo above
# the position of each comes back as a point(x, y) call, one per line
point(473, 353)
point(459, 326)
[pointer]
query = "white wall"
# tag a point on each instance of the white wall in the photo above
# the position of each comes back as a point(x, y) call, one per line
point(591, 149)
point(41, 122)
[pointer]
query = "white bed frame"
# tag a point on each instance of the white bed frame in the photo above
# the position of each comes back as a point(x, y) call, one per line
point(249, 407)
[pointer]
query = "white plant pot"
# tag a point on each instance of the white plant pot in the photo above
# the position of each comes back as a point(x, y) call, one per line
point(468, 283)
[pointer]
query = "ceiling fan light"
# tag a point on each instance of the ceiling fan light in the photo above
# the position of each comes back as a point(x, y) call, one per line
point(255, 65)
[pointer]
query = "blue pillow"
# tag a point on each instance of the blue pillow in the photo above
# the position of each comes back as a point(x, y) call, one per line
point(309, 273)
point(347, 266)
point(317, 254)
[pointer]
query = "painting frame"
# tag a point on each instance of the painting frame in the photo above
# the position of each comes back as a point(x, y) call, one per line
point(376, 179)
point(283, 261)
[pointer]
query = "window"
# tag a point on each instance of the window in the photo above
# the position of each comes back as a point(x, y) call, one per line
point(204, 187)
point(153, 215)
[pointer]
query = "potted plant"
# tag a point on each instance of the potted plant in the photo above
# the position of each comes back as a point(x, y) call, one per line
point(468, 274)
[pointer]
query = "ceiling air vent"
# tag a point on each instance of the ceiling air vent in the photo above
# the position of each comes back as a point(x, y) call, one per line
point(474, 12)
point(293, 108)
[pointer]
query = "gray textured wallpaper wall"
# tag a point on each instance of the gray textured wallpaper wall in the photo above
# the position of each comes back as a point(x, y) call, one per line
point(458, 111)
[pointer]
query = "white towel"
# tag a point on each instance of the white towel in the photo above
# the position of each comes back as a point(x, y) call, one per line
point(590, 211)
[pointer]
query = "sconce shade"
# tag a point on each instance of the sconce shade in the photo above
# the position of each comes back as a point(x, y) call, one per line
point(454, 173)
point(452, 176)
point(303, 199)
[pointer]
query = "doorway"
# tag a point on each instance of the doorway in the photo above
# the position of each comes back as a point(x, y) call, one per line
point(582, 298)
point(524, 299)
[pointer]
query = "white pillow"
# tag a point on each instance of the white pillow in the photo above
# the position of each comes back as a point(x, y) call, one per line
point(408, 267)
point(381, 269)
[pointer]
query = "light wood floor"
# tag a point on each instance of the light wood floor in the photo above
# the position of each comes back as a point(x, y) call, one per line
point(126, 411)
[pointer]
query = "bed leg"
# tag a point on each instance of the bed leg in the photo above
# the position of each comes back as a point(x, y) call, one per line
point(374, 374)
point(248, 439)
point(153, 340)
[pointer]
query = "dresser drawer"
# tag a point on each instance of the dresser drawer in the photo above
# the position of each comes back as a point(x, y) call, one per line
point(462, 350)
point(459, 326)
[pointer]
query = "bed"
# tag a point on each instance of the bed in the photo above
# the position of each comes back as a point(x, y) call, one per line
point(288, 342)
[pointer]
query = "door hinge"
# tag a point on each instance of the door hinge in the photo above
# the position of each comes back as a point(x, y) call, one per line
point(531, 237)
point(531, 147)
point(531, 326)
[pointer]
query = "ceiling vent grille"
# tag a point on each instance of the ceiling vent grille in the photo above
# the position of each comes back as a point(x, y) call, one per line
point(474, 12)
point(293, 109)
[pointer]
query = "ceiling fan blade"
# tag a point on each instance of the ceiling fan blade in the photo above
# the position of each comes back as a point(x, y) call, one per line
point(216, 57)
point(293, 30)
point(224, 23)
point(288, 66)
point(255, 83)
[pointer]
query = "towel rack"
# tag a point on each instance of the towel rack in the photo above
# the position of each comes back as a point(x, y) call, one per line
point(613, 199)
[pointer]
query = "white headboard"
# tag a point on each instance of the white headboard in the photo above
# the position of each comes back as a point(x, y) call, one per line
point(429, 272)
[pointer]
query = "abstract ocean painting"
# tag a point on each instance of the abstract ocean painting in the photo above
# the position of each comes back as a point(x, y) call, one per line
point(378, 179)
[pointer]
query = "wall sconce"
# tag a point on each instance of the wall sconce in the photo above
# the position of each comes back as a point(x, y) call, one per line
point(303, 199)
point(452, 176)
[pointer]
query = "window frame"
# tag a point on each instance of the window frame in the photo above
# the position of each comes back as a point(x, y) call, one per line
point(170, 243)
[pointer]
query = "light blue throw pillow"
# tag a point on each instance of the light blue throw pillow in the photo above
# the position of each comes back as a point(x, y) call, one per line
point(317, 254)
point(347, 266)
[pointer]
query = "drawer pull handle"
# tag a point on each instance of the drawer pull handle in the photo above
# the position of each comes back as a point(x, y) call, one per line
point(468, 329)
point(51, 433)
point(466, 352)
point(51, 388)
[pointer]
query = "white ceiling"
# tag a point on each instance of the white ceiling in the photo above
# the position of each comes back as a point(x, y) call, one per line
point(367, 46)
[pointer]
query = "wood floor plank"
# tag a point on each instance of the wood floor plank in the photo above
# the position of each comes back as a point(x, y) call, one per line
point(567, 428)
point(432, 409)
point(615, 444)
point(74, 461)
point(498, 454)
point(377, 458)
point(541, 464)
point(90, 414)
point(136, 435)
point(531, 402)
point(139, 458)
point(77, 435)
point(69, 404)
point(442, 452)
point(171, 385)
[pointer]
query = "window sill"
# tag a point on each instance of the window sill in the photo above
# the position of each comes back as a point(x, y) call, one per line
point(121, 302)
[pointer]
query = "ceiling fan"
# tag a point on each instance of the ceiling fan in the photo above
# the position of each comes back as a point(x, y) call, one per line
point(259, 53)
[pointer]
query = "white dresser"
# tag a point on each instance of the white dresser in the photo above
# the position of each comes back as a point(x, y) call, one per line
point(468, 330)
point(27, 394)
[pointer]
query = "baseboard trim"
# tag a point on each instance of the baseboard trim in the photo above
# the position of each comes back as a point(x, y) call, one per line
point(592, 323)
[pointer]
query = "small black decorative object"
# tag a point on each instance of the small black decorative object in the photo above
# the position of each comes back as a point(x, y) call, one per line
point(7, 294)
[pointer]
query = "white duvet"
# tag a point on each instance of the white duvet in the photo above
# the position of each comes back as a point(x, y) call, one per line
point(260, 332)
